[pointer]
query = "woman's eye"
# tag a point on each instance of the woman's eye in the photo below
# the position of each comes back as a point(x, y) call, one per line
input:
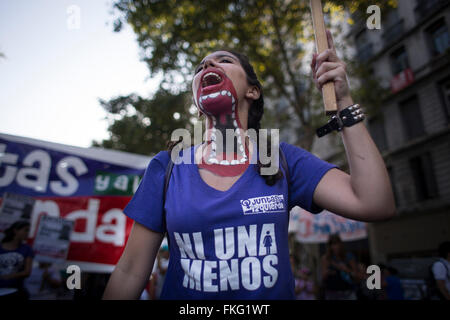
point(225, 60)
point(198, 69)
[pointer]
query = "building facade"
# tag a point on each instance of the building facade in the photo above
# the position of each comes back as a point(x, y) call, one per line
point(410, 54)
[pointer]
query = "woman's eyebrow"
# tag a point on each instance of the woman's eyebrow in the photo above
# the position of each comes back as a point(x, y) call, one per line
point(218, 57)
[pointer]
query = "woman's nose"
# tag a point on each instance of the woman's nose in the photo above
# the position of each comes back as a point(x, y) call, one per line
point(209, 63)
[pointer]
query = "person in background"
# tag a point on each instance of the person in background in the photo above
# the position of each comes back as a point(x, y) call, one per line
point(295, 273)
point(159, 271)
point(391, 283)
point(338, 271)
point(162, 265)
point(16, 259)
point(43, 282)
point(441, 273)
point(304, 286)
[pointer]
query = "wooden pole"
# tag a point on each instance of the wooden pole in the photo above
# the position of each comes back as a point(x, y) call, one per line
point(328, 93)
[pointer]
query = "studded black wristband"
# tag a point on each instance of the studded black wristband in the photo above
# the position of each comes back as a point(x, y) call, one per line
point(346, 118)
point(351, 115)
point(333, 124)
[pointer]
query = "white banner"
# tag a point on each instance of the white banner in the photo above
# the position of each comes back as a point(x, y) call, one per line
point(316, 228)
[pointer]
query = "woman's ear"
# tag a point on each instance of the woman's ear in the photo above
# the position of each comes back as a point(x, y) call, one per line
point(253, 93)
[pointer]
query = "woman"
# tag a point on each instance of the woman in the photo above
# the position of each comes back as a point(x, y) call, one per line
point(339, 271)
point(16, 259)
point(226, 222)
point(304, 286)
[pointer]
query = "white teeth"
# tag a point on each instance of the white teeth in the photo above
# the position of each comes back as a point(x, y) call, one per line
point(225, 162)
point(232, 100)
point(234, 162)
point(224, 92)
point(235, 124)
point(244, 159)
point(213, 161)
point(213, 95)
point(229, 93)
point(212, 74)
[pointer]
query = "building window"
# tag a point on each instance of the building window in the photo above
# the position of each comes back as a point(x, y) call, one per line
point(424, 178)
point(438, 37)
point(391, 173)
point(445, 90)
point(425, 8)
point(399, 61)
point(378, 132)
point(412, 118)
point(363, 46)
point(393, 27)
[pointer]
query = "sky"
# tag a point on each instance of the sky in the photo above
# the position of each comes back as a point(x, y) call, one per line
point(60, 58)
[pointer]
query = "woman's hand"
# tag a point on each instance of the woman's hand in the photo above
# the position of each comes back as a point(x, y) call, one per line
point(327, 67)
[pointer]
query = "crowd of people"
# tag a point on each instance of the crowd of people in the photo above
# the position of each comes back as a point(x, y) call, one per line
point(342, 277)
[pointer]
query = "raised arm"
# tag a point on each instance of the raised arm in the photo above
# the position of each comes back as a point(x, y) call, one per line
point(135, 265)
point(366, 194)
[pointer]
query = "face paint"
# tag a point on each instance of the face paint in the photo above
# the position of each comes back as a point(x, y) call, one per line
point(217, 99)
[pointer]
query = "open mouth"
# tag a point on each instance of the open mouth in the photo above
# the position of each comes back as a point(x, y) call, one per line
point(211, 79)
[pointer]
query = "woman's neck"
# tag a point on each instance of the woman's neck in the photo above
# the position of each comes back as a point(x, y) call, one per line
point(227, 140)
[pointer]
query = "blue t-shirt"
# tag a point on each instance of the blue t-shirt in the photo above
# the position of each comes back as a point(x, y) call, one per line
point(226, 244)
point(13, 261)
point(394, 289)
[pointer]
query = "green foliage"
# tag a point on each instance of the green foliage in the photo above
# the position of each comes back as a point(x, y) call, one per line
point(175, 35)
point(142, 125)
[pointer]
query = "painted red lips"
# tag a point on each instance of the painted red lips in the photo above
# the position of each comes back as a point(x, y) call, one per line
point(211, 80)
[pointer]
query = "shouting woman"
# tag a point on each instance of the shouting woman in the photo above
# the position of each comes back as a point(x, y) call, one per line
point(226, 220)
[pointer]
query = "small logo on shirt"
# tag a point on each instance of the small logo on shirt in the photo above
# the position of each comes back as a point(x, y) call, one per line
point(267, 204)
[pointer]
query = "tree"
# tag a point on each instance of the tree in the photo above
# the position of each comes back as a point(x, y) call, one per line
point(142, 125)
point(175, 35)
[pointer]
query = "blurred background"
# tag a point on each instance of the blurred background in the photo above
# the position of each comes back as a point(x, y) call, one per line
point(92, 77)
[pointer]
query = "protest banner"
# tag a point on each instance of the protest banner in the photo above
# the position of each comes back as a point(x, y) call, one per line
point(89, 186)
point(316, 228)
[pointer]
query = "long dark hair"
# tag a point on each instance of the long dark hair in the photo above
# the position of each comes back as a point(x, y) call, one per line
point(255, 115)
point(332, 239)
point(11, 231)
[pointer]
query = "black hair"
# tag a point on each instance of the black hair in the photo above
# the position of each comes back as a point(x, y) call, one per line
point(393, 271)
point(444, 249)
point(255, 115)
point(10, 232)
point(334, 238)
